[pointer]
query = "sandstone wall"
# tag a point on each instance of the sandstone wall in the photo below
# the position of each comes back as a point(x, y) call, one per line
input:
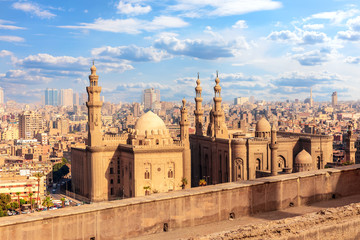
point(144, 215)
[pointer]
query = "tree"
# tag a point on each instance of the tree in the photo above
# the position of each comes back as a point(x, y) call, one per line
point(48, 203)
point(202, 182)
point(62, 202)
point(38, 175)
point(18, 195)
point(31, 202)
point(184, 182)
point(147, 190)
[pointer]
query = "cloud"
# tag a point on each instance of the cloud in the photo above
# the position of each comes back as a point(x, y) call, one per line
point(132, 53)
point(131, 25)
point(336, 17)
point(284, 35)
point(24, 77)
point(352, 60)
point(126, 7)
point(313, 26)
point(4, 24)
point(11, 39)
point(298, 37)
point(201, 49)
point(313, 37)
point(305, 79)
point(314, 57)
point(201, 8)
point(348, 35)
point(240, 24)
point(33, 9)
point(354, 24)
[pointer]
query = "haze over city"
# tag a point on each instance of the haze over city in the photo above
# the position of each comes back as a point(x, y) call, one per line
point(274, 50)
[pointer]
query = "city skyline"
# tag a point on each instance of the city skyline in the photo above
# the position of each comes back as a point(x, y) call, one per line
point(274, 50)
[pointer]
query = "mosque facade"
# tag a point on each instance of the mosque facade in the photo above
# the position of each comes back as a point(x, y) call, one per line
point(136, 163)
point(219, 155)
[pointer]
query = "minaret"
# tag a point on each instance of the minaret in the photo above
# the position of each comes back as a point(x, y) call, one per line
point(184, 125)
point(199, 112)
point(274, 147)
point(350, 146)
point(219, 128)
point(94, 109)
point(184, 139)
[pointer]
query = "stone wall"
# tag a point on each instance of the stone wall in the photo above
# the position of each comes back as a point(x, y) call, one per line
point(145, 215)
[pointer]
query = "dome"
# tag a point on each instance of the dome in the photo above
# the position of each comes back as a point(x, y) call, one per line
point(149, 121)
point(263, 125)
point(303, 157)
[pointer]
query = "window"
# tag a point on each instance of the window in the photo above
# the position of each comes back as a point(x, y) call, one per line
point(111, 171)
point(118, 181)
point(111, 181)
point(170, 173)
point(147, 174)
point(111, 191)
point(118, 171)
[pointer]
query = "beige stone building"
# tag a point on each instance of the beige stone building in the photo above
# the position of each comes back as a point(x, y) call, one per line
point(142, 161)
point(219, 155)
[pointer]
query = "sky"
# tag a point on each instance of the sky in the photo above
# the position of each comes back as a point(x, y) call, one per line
point(270, 49)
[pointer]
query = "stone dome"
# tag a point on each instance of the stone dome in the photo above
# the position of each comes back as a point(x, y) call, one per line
point(148, 122)
point(263, 125)
point(303, 157)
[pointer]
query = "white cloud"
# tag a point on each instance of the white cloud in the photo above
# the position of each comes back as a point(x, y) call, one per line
point(33, 9)
point(198, 8)
point(315, 57)
point(198, 48)
point(354, 24)
point(126, 7)
point(131, 25)
point(352, 60)
point(24, 77)
point(12, 39)
point(5, 53)
point(313, 26)
point(240, 24)
point(313, 37)
point(348, 35)
point(132, 53)
point(299, 37)
point(4, 24)
point(336, 17)
point(284, 35)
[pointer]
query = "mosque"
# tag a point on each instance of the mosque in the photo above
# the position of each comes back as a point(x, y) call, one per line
point(146, 159)
point(143, 160)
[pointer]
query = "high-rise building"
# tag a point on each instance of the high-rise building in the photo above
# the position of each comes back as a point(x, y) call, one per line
point(1, 95)
point(83, 98)
point(334, 99)
point(52, 97)
point(150, 97)
point(30, 123)
point(136, 109)
point(66, 97)
point(311, 99)
point(240, 100)
point(76, 100)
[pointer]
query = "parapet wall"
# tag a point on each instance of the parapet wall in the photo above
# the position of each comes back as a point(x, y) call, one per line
point(145, 215)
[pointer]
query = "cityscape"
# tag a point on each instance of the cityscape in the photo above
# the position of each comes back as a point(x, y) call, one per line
point(240, 120)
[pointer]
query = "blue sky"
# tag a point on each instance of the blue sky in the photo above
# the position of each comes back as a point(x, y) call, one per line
point(273, 50)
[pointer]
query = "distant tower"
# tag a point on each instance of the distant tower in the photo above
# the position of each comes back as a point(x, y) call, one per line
point(334, 99)
point(311, 99)
point(94, 109)
point(274, 147)
point(350, 146)
point(199, 112)
point(217, 126)
point(184, 139)
point(1, 95)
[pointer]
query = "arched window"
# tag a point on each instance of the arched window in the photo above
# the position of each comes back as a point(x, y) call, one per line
point(170, 173)
point(258, 164)
point(318, 162)
point(147, 174)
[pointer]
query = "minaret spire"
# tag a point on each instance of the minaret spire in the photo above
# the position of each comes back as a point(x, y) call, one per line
point(184, 139)
point(94, 109)
point(274, 147)
point(199, 112)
